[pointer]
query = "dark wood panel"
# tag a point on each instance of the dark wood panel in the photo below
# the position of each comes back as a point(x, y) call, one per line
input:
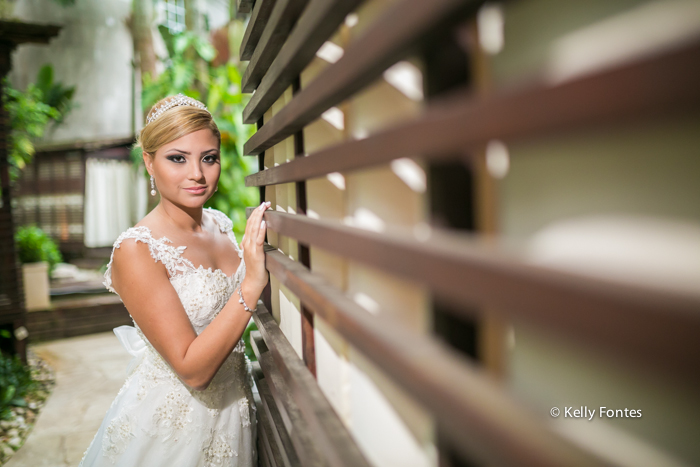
point(480, 419)
point(302, 436)
point(255, 28)
point(624, 319)
point(278, 434)
point(318, 22)
point(272, 449)
point(282, 19)
point(244, 6)
point(330, 436)
point(659, 87)
point(386, 41)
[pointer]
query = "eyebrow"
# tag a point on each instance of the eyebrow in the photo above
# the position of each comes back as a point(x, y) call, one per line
point(188, 153)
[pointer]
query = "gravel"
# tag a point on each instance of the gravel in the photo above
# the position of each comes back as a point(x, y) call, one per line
point(14, 431)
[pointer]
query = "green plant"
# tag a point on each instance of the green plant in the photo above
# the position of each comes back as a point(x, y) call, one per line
point(34, 245)
point(189, 70)
point(246, 339)
point(30, 113)
point(15, 382)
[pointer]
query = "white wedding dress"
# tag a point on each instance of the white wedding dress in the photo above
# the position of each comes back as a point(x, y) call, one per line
point(157, 420)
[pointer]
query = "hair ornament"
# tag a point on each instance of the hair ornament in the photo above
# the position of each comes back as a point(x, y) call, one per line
point(177, 100)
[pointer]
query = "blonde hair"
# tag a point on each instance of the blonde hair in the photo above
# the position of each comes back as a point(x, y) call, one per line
point(173, 124)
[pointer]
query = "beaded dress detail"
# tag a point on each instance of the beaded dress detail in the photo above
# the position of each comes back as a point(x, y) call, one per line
point(156, 419)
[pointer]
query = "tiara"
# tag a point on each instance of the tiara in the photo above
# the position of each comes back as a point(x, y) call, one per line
point(179, 99)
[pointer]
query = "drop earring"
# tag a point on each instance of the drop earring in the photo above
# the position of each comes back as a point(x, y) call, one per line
point(153, 187)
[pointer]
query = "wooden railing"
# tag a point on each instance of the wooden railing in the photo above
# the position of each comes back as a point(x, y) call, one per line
point(476, 414)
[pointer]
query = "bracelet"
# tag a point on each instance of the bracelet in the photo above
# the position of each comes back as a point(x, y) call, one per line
point(243, 302)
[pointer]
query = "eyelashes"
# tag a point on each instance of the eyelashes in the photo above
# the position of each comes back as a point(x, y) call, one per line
point(180, 159)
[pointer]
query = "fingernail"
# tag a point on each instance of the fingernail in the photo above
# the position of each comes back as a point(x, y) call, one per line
point(262, 225)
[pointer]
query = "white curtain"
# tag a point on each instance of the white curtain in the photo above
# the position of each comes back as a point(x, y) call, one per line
point(116, 198)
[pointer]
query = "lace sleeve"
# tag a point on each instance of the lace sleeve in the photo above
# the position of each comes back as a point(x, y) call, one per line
point(226, 226)
point(169, 255)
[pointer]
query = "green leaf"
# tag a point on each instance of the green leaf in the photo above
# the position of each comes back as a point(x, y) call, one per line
point(181, 43)
point(44, 80)
point(18, 402)
point(205, 50)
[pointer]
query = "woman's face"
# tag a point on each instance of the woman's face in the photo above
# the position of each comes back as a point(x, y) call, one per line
point(187, 170)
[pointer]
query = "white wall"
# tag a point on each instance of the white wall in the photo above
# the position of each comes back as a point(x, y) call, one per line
point(93, 52)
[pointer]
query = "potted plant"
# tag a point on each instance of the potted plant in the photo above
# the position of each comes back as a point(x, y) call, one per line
point(39, 255)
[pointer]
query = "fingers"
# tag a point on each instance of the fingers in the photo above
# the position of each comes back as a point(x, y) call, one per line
point(255, 220)
point(261, 232)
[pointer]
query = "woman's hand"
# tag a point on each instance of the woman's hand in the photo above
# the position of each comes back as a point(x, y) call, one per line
point(253, 253)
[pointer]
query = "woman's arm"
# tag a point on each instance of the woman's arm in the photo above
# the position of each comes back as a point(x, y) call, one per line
point(147, 293)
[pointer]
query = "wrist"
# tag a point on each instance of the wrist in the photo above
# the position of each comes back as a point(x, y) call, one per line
point(250, 293)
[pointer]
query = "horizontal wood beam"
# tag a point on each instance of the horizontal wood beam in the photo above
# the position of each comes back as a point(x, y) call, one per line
point(316, 24)
point(656, 87)
point(480, 419)
point(281, 446)
point(642, 324)
point(330, 436)
point(303, 439)
point(386, 41)
point(245, 6)
point(256, 26)
point(282, 19)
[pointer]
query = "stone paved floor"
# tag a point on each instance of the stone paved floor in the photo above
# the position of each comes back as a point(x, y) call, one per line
point(89, 372)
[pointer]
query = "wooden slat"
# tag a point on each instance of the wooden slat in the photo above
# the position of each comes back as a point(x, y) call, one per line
point(318, 22)
point(272, 449)
point(385, 42)
point(256, 25)
point(480, 419)
point(279, 435)
point(283, 17)
point(655, 87)
point(245, 6)
point(623, 318)
point(329, 434)
point(303, 439)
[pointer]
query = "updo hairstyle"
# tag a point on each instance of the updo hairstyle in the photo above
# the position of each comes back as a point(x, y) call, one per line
point(174, 123)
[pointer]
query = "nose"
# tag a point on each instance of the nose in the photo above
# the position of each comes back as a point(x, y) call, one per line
point(195, 172)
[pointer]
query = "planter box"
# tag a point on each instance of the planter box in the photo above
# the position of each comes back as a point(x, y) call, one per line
point(36, 285)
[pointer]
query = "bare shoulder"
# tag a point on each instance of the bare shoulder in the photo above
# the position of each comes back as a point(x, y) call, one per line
point(134, 261)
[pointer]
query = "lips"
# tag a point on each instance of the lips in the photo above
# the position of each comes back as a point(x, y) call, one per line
point(196, 190)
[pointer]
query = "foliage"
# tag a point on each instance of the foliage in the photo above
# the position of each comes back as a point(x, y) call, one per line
point(34, 245)
point(219, 87)
point(246, 338)
point(30, 113)
point(55, 94)
point(15, 382)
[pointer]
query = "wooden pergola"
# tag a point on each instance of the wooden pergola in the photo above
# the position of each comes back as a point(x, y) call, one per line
point(12, 307)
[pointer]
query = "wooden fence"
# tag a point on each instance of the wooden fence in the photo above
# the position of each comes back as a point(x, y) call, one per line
point(475, 414)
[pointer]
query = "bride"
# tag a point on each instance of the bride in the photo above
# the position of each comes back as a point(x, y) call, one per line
point(187, 399)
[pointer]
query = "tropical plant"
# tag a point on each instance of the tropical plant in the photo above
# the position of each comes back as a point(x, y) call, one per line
point(219, 87)
point(31, 112)
point(34, 245)
point(15, 382)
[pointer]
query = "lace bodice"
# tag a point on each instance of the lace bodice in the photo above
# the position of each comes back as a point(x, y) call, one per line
point(203, 292)
point(154, 401)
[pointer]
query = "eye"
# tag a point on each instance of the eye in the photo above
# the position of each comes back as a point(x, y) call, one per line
point(178, 157)
point(212, 158)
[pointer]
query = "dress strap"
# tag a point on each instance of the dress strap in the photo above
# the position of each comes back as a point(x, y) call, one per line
point(226, 226)
point(169, 255)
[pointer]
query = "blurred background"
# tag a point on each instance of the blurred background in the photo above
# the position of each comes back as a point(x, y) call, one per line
point(549, 149)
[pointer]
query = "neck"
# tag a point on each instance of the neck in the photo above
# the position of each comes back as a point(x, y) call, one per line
point(183, 218)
